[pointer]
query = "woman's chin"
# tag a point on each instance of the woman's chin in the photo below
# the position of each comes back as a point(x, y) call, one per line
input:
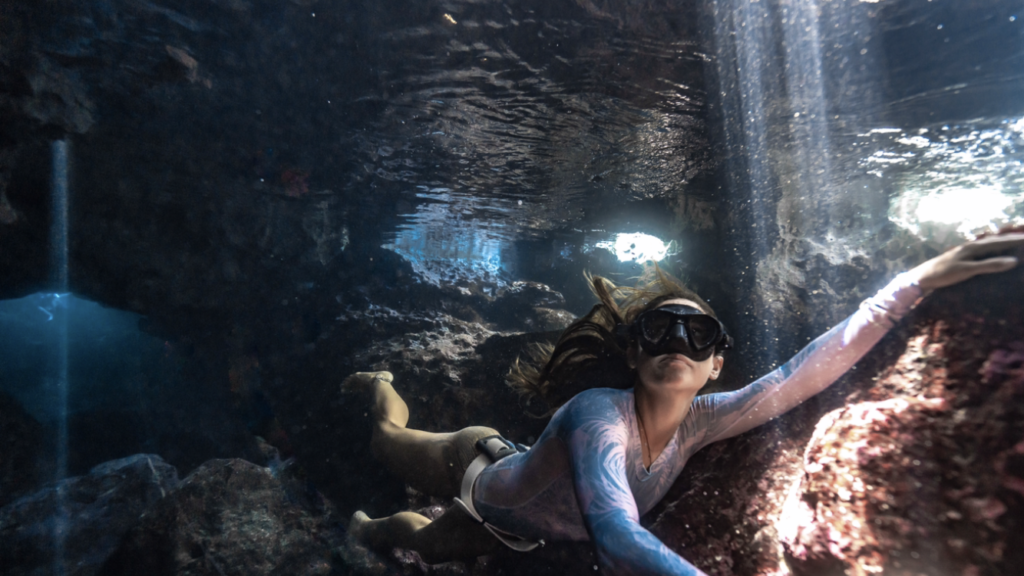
point(678, 376)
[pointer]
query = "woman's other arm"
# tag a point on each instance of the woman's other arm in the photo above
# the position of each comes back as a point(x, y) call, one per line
point(597, 435)
point(812, 370)
point(823, 361)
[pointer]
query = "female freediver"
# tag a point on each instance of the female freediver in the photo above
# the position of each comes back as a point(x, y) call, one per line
point(608, 455)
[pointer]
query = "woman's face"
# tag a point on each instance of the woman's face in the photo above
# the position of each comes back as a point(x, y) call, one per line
point(674, 372)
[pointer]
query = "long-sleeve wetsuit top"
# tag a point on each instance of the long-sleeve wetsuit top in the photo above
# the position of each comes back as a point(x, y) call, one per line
point(585, 478)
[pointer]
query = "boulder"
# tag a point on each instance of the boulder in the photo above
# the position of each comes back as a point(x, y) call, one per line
point(71, 527)
point(20, 465)
point(230, 517)
point(526, 306)
point(927, 481)
point(912, 464)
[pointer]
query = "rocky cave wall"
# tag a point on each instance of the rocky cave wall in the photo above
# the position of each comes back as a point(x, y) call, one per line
point(909, 465)
point(250, 265)
point(215, 191)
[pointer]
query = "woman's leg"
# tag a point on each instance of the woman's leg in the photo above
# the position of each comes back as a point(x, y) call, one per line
point(432, 463)
point(453, 536)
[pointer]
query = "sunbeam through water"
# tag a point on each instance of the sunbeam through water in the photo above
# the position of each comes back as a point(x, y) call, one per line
point(59, 259)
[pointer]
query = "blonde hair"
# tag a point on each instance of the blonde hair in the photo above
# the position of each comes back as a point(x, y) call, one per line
point(588, 354)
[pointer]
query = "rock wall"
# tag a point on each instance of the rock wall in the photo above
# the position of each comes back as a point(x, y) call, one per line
point(909, 465)
point(71, 527)
point(229, 517)
point(20, 469)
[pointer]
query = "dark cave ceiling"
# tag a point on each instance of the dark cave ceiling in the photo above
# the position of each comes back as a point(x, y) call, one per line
point(230, 156)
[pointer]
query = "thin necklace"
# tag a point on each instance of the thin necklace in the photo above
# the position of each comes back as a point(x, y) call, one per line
point(643, 435)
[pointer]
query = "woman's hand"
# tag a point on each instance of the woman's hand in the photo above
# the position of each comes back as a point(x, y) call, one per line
point(968, 260)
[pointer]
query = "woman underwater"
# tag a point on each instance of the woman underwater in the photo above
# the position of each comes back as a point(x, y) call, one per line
point(609, 455)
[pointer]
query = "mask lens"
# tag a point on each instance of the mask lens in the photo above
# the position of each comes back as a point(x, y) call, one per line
point(655, 324)
point(703, 330)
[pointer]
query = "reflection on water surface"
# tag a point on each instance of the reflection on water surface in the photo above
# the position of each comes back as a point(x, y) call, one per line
point(952, 181)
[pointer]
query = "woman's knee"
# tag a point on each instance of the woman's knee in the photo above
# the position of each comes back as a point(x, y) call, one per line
point(407, 526)
point(464, 444)
point(460, 453)
point(454, 536)
point(471, 434)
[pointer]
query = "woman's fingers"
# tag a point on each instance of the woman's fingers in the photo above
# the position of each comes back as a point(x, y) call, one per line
point(969, 260)
point(993, 244)
point(990, 265)
point(965, 270)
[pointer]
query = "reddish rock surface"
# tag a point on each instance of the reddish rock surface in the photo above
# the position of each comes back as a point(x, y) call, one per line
point(919, 471)
point(927, 481)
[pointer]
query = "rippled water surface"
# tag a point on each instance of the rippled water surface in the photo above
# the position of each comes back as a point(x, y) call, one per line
point(953, 180)
point(500, 121)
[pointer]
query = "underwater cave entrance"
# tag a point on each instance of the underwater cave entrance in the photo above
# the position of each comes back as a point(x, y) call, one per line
point(119, 390)
point(103, 391)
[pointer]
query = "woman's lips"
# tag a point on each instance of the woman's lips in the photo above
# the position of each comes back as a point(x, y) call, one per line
point(677, 358)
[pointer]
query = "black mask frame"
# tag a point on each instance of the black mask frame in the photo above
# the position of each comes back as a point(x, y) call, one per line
point(679, 329)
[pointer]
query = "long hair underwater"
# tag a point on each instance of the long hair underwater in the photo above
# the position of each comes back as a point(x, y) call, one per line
point(588, 354)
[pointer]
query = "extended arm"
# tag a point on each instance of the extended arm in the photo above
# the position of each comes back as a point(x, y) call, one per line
point(597, 437)
point(823, 361)
point(812, 370)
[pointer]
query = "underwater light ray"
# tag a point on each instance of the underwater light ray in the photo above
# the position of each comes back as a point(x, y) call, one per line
point(806, 87)
point(59, 222)
point(59, 271)
point(748, 33)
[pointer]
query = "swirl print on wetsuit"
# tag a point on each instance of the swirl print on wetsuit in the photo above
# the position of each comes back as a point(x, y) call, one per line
point(596, 462)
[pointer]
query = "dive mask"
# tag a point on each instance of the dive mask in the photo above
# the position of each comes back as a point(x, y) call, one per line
point(680, 329)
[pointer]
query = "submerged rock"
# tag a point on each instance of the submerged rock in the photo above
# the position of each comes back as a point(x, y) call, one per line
point(915, 464)
point(528, 306)
point(229, 517)
point(20, 467)
point(547, 319)
point(73, 526)
point(454, 376)
point(929, 481)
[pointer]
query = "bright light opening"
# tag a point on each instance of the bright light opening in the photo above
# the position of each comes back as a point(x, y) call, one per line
point(955, 182)
point(969, 208)
point(638, 247)
point(963, 212)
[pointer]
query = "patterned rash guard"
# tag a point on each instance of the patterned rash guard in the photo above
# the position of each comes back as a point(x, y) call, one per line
point(585, 479)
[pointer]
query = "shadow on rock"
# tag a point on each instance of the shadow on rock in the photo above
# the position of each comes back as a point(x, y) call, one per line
point(73, 526)
point(230, 517)
point(915, 464)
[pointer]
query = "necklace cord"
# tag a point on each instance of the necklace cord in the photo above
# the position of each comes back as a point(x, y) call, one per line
point(644, 442)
